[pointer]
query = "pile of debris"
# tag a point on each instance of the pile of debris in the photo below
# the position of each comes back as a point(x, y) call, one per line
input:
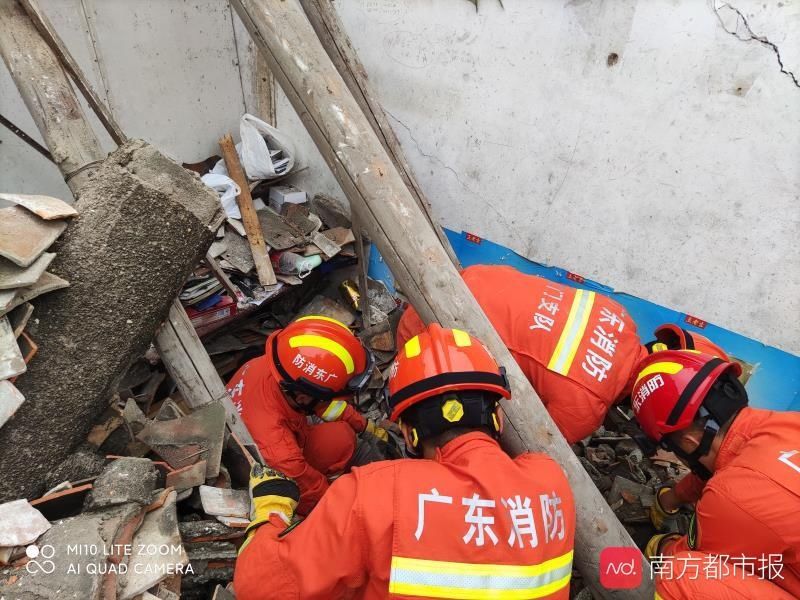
point(626, 477)
point(273, 237)
point(27, 229)
point(154, 503)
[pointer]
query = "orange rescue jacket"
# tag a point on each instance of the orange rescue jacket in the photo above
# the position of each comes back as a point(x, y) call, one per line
point(279, 431)
point(578, 348)
point(751, 504)
point(473, 522)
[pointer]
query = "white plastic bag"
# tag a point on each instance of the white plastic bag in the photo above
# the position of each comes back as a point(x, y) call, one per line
point(259, 139)
point(227, 190)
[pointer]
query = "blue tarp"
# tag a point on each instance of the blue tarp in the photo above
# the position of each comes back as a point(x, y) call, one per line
point(775, 379)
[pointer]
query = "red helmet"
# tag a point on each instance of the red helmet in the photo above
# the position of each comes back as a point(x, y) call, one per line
point(442, 360)
point(319, 356)
point(677, 338)
point(671, 387)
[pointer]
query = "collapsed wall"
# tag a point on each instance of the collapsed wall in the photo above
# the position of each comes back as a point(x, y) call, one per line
point(144, 223)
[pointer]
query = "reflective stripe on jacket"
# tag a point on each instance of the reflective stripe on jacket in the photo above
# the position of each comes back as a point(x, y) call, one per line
point(473, 523)
point(578, 348)
point(751, 505)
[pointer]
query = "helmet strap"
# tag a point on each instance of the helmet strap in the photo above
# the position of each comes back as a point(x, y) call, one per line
point(478, 411)
point(710, 431)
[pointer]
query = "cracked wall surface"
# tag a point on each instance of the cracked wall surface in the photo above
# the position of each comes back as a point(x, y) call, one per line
point(650, 145)
point(637, 143)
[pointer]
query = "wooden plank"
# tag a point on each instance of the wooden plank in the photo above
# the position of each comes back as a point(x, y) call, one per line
point(264, 86)
point(191, 368)
point(51, 37)
point(255, 237)
point(415, 255)
point(221, 276)
point(328, 27)
point(363, 281)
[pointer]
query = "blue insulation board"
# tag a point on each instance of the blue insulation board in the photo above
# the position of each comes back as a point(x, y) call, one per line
point(775, 379)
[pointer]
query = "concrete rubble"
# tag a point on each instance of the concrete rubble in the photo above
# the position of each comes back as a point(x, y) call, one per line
point(27, 229)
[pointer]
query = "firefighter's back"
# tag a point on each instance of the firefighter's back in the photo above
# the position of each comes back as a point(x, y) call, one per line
point(471, 523)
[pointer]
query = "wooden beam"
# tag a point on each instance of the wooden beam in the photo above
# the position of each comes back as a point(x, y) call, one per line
point(191, 368)
point(394, 221)
point(49, 34)
point(222, 276)
point(255, 236)
point(264, 88)
point(326, 23)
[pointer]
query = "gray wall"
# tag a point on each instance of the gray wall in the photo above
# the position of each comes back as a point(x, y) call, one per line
point(672, 174)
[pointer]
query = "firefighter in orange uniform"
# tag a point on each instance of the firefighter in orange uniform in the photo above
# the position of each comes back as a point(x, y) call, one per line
point(689, 489)
point(464, 520)
point(578, 348)
point(310, 367)
point(693, 405)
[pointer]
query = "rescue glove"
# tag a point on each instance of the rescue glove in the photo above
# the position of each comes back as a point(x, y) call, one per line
point(376, 431)
point(657, 542)
point(271, 493)
point(658, 514)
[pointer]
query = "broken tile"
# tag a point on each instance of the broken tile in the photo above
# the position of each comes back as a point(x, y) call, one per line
point(27, 347)
point(187, 477)
point(20, 523)
point(237, 226)
point(125, 480)
point(46, 207)
point(133, 416)
point(322, 305)
point(24, 236)
point(169, 410)
point(187, 440)
point(19, 317)
point(622, 485)
point(238, 252)
point(331, 211)
point(217, 248)
point(62, 504)
point(100, 432)
point(233, 522)
point(224, 502)
point(379, 337)
point(328, 247)
point(46, 283)
point(278, 232)
point(11, 361)
point(13, 276)
point(159, 531)
point(340, 236)
point(10, 400)
point(9, 554)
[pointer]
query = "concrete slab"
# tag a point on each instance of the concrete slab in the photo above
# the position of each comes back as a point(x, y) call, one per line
point(159, 551)
point(12, 362)
point(20, 523)
point(187, 440)
point(13, 276)
point(225, 502)
point(125, 480)
point(46, 283)
point(46, 207)
point(10, 400)
point(24, 236)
